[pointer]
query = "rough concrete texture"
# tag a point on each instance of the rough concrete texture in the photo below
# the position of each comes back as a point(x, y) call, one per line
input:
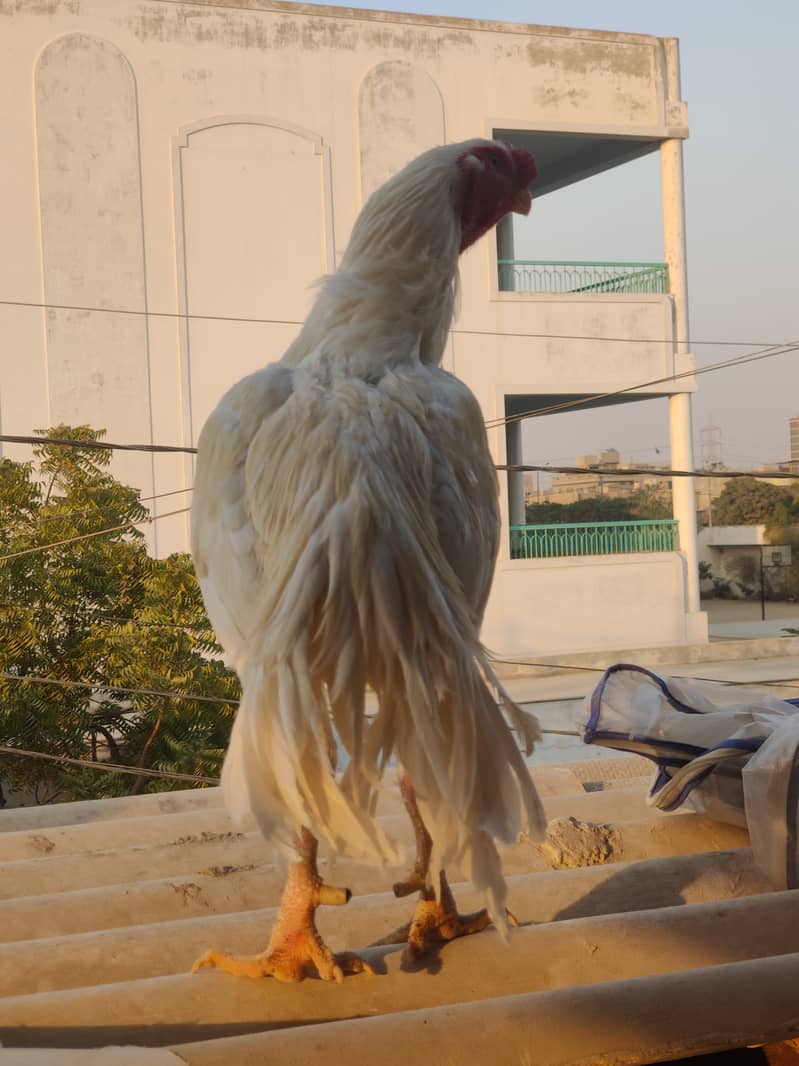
point(617, 1023)
point(668, 910)
point(564, 954)
point(129, 967)
point(213, 849)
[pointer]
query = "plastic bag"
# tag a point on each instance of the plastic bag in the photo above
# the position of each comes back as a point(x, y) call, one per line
point(730, 753)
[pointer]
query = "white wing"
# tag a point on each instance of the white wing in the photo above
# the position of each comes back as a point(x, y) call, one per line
point(346, 531)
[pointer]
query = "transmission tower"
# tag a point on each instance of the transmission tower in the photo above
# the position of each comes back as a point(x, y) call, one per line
point(710, 447)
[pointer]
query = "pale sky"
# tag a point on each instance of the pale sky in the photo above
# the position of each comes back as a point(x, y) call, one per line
point(738, 62)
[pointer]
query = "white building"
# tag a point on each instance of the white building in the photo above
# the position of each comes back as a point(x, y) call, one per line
point(200, 164)
point(744, 559)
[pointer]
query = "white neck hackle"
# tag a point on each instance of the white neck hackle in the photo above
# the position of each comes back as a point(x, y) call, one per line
point(393, 296)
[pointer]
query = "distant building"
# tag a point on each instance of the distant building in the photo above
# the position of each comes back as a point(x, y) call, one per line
point(742, 558)
point(532, 488)
point(793, 430)
point(708, 490)
point(607, 480)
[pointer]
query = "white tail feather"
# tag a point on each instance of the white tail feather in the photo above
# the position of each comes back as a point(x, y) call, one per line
point(361, 592)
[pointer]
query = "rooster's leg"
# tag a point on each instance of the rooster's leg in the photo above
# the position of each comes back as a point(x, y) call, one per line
point(295, 948)
point(416, 881)
point(435, 920)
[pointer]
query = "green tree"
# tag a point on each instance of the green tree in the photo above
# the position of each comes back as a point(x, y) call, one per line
point(649, 502)
point(544, 514)
point(652, 502)
point(102, 612)
point(783, 529)
point(749, 501)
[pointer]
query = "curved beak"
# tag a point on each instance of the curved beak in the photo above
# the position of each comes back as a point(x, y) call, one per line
point(526, 172)
point(522, 202)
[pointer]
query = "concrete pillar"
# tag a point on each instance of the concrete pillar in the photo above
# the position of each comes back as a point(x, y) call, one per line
point(506, 250)
point(684, 493)
point(513, 445)
point(680, 427)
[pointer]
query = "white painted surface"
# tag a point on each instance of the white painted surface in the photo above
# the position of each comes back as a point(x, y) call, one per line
point(211, 159)
point(732, 536)
point(586, 604)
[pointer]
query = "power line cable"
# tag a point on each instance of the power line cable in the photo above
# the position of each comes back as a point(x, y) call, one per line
point(118, 619)
point(150, 314)
point(95, 533)
point(656, 472)
point(582, 401)
point(96, 445)
point(108, 767)
point(36, 304)
point(94, 510)
point(520, 468)
point(616, 340)
point(168, 775)
point(94, 686)
point(513, 468)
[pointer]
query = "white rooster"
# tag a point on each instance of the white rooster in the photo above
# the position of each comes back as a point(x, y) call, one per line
point(345, 530)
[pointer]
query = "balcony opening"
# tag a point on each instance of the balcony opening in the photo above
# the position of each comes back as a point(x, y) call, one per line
point(606, 509)
point(595, 226)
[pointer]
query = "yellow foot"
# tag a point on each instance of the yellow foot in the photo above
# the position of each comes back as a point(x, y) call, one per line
point(296, 950)
point(435, 921)
point(288, 965)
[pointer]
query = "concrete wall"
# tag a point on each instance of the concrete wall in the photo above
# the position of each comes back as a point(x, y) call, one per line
point(209, 159)
point(587, 604)
point(735, 555)
point(731, 536)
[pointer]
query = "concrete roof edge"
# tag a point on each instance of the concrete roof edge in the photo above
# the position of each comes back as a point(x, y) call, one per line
point(430, 21)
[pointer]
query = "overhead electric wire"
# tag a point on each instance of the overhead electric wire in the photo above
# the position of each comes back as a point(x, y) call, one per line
point(96, 533)
point(601, 338)
point(577, 402)
point(189, 315)
point(109, 767)
point(96, 686)
point(170, 775)
point(95, 510)
point(520, 468)
point(513, 468)
point(97, 445)
point(581, 401)
point(150, 314)
point(121, 620)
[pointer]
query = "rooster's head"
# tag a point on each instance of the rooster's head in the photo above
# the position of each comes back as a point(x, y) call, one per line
point(494, 179)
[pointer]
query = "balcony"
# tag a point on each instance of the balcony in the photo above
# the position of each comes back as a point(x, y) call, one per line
point(573, 276)
point(593, 538)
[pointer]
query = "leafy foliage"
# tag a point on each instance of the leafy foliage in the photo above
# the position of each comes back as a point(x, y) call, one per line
point(751, 501)
point(748, 501)
point(99, 610)
point(648, 502)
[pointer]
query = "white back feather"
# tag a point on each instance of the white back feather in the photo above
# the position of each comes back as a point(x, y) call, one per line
point(345, 529)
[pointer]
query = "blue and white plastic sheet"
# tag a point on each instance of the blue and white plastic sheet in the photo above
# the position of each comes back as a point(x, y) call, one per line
point(730, 753)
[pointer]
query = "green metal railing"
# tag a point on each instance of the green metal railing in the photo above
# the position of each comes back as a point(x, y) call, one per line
point(592, 538)
point(532, 275)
